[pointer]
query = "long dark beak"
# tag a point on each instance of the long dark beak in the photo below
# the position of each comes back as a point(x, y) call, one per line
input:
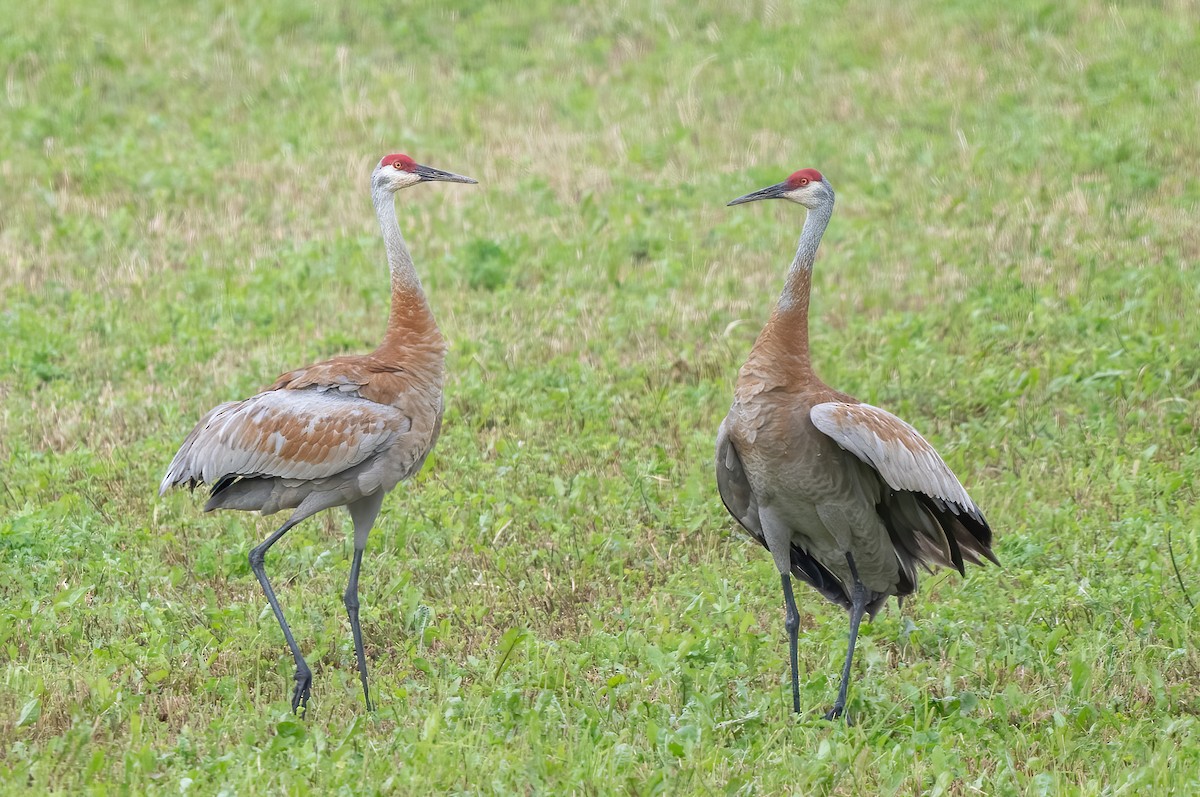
point(429, 173)
point(770, 192)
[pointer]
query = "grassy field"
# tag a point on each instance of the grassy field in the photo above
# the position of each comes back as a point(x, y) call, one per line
point(559, 603)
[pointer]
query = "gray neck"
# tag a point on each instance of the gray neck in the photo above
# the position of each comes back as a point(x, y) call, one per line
point(795, 289)
point(404, 274)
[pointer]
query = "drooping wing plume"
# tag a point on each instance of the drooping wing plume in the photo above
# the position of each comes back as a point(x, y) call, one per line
point(932, 516)
point(290, 434)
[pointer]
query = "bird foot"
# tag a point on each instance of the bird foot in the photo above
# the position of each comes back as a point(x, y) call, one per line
point(302, 691)
point(839, 712)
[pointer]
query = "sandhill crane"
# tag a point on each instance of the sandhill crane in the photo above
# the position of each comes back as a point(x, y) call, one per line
point(337, 433)
point(844, 495)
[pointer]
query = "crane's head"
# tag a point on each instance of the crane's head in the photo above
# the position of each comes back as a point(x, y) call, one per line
point(398, 171)
point(807, 187)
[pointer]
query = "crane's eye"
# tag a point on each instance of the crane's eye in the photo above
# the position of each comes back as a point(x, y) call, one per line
point(803, 181)
point(397, 165)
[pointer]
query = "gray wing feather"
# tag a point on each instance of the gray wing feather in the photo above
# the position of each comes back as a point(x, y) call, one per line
point(289, 434)
point(903, 458)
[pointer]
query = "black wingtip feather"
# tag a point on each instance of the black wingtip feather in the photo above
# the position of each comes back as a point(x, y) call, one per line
point(977, 540)
point(223, 483)
point(807, 568)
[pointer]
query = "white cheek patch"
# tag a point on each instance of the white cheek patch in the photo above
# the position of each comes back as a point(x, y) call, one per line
point(404, 179)
point(803, 194)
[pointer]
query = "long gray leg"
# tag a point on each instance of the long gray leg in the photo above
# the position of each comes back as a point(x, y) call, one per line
point(257, 556)
point(858, 605)
point(363, 512)
point(779, 542)
point(793, 628)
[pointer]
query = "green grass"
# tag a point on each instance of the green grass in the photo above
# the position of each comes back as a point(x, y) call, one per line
point(559, 604)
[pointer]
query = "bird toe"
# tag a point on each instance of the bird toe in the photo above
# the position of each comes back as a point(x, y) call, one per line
point(302, 692)
point(837, 713)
